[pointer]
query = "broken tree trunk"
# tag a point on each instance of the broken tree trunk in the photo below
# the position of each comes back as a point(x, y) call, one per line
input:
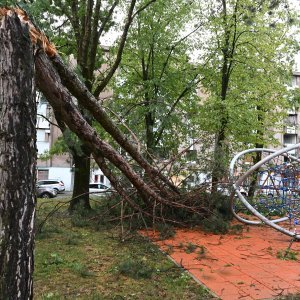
point(17, 159)
point(89, 102)
point(59, 85)
point(60, 99)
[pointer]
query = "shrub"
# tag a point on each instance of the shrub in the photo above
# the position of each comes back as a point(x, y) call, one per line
point(136, 269)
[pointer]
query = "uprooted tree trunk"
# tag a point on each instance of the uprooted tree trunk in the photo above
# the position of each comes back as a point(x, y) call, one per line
point(60, 85)
point(53, 78)
point(17, 159)
point(49, 82)
point(18, 154)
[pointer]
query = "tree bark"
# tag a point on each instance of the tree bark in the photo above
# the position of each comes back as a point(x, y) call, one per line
point(88, 101)
point(220, 151)
point(81, 181)
point(17, 159)
point(60, 99)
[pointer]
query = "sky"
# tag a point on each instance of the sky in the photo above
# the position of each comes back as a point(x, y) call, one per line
point(296, 4)
point(112, 35)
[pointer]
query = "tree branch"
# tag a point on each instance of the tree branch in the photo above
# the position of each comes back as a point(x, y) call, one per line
point(117, 61)
point(123, 39)
point(183, 93)
point(48, 120)
point(97, 33)
point(89, 102)
point(50, 85)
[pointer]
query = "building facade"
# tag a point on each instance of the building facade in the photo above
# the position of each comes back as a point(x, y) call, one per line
point(58, 167)
point(291, 126)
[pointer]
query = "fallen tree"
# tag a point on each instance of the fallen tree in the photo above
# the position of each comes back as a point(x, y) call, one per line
point(50, 84)
point(156, 195)
point(60, 85)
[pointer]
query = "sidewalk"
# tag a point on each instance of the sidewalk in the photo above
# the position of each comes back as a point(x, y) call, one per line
point(244, 265)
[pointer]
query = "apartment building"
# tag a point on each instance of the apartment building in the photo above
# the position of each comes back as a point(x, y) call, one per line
point(61, 166)
point(58, 167)
point(291, 127)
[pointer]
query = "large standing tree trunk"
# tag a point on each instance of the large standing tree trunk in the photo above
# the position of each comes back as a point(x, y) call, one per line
point(17, 159)
point(81, 180)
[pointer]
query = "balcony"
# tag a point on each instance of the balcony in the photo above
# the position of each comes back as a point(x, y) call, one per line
point(290, 129)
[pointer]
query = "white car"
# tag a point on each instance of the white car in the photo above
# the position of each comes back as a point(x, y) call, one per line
point(98, 189)
point(55, 184)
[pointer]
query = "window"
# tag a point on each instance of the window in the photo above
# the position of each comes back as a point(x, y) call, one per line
point(297, 80)
point(290, 139)
point(42, 174)
point(47, 136)
point(291, 120)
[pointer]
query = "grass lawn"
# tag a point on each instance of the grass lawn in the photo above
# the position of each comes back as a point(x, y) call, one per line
point(74, 259)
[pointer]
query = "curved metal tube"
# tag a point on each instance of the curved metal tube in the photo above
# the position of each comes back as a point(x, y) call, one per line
point(262, 218)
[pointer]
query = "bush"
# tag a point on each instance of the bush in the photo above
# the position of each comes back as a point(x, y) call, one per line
point(136, 269)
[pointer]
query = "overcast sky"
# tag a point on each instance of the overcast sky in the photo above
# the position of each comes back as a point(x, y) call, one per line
point(112, 35)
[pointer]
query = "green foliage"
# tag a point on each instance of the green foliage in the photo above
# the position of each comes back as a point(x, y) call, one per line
point(54, 259)
point(52, 296)
point(215, 224)
point(72, 240)
point(248, 53)
point(81, 217)
point(190, 248)
point(236, 229)
point(47, 230)
point(287, 254)
point(59, 147)
point(135, 269)
point(201, 252)
point(165, 231)
point(82, 270)
point(154, 92)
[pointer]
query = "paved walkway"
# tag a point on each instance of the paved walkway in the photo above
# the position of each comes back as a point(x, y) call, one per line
point(244, 265)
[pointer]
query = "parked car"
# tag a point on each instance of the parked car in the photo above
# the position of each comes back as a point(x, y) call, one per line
point(226, 189)
point(45, 192)
point(101, 188)
point(57, 185)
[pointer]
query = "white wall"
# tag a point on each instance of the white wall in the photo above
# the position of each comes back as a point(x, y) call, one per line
point(42, 147)
point(99, 173)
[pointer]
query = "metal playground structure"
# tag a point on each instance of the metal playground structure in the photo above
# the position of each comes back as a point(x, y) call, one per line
point(266, 188)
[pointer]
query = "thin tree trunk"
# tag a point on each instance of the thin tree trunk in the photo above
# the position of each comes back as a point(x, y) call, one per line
point(17, 160)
